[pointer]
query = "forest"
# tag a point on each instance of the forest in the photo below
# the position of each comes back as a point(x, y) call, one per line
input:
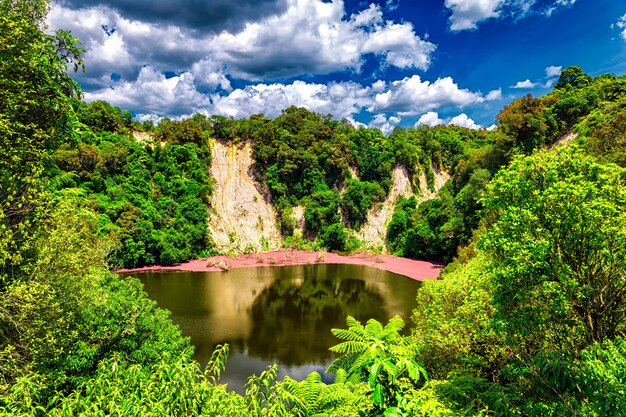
point(527, 319)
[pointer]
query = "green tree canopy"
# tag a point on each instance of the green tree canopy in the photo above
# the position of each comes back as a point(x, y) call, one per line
point(35, 116)
point(557, 238)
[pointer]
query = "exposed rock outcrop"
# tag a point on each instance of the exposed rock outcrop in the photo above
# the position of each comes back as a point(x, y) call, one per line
point(375, 229)
point(242, 219)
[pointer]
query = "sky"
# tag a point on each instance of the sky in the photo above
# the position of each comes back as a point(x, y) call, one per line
point(378, 63)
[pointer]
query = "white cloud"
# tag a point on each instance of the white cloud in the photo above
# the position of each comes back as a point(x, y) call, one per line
point(558, 3)
point(338, 99)
point(464, 121)
point(155, 67)
point(621, 23)
point(309, 37)
point(553, 71)
point(355, 123)
point(494, 95)
point(467, 14)
point(154, 93)
point(430, 118)
point(411, 96)
point(384, 123)
point(314, 36)
point(524, 84)
point(552, 74)
point(210, 74)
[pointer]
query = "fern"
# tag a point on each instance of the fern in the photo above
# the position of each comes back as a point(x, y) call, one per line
point(379, 356)
point(312, 397)
point(350, 347)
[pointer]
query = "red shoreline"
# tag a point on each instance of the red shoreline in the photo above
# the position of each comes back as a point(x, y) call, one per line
point(417, 270)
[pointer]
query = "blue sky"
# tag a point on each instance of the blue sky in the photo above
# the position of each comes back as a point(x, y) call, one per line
point(379, 63)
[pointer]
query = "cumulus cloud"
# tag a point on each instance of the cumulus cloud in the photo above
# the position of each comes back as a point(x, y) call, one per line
point(494, 95)
point(553, 71)
point(621, 24)
point(210, 74)
point(170, 67)
point(464, 121)
point(552, 74)
point(431, 118)
point(411, 96)
point(384, 123)
point(214, 15)
point(524, 84)
point(338, 99)
point(308, 37)
point(467, 14)
point(153, 92)
point(314, 37)
point(117, 45)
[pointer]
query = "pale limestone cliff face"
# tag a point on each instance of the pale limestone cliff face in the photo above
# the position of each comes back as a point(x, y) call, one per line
point(374, 231)
point(242, 218)
point(241, 215)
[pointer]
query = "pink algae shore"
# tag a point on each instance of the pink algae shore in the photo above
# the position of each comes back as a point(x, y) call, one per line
point(418, 270)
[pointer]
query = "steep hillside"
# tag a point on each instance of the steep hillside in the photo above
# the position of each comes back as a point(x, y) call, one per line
point(373, 233)
point(241, 217)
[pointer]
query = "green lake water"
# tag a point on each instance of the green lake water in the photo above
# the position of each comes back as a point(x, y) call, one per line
point(277, 315)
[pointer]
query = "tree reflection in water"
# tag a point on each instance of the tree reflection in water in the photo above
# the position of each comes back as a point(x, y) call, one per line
point(277, 314)
point(291, 320)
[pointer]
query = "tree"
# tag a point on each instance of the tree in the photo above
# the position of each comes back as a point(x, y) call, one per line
point(181, 132)
point(528, 123)
point(574, 77)
point(334, 237)
point(34, 12)
point(100, 115)
point(557, 241)
point(35, 116)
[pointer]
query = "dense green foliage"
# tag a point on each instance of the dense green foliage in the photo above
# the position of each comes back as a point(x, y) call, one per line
point(152, 194)
point(515, 328)
point(35, 117)
point(558, 248)
point(338, 172)
point(529, 320)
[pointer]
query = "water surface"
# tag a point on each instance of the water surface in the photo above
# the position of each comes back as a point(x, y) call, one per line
point(277, 315)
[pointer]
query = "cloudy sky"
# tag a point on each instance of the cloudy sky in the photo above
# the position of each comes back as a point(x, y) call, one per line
point(381, 63)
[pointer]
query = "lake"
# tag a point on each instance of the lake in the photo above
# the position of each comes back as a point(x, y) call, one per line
point(277, 315)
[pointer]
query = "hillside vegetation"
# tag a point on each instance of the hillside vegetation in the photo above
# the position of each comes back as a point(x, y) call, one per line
point(528, 319)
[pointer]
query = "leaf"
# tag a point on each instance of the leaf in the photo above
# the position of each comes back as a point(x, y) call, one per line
point(393, 412)
point(378, 395)
point(374, 374)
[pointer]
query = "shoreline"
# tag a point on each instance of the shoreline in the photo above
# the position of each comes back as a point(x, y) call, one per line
point(417, 270)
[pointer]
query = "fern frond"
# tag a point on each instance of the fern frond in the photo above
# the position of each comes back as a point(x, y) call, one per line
point(374, 328)
point(313, 377)
point(347, 334)
point(341, 376)
point(349, 347)
point(341, 363)
point(395, 325)
point(352, 322)
point(356, 326)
